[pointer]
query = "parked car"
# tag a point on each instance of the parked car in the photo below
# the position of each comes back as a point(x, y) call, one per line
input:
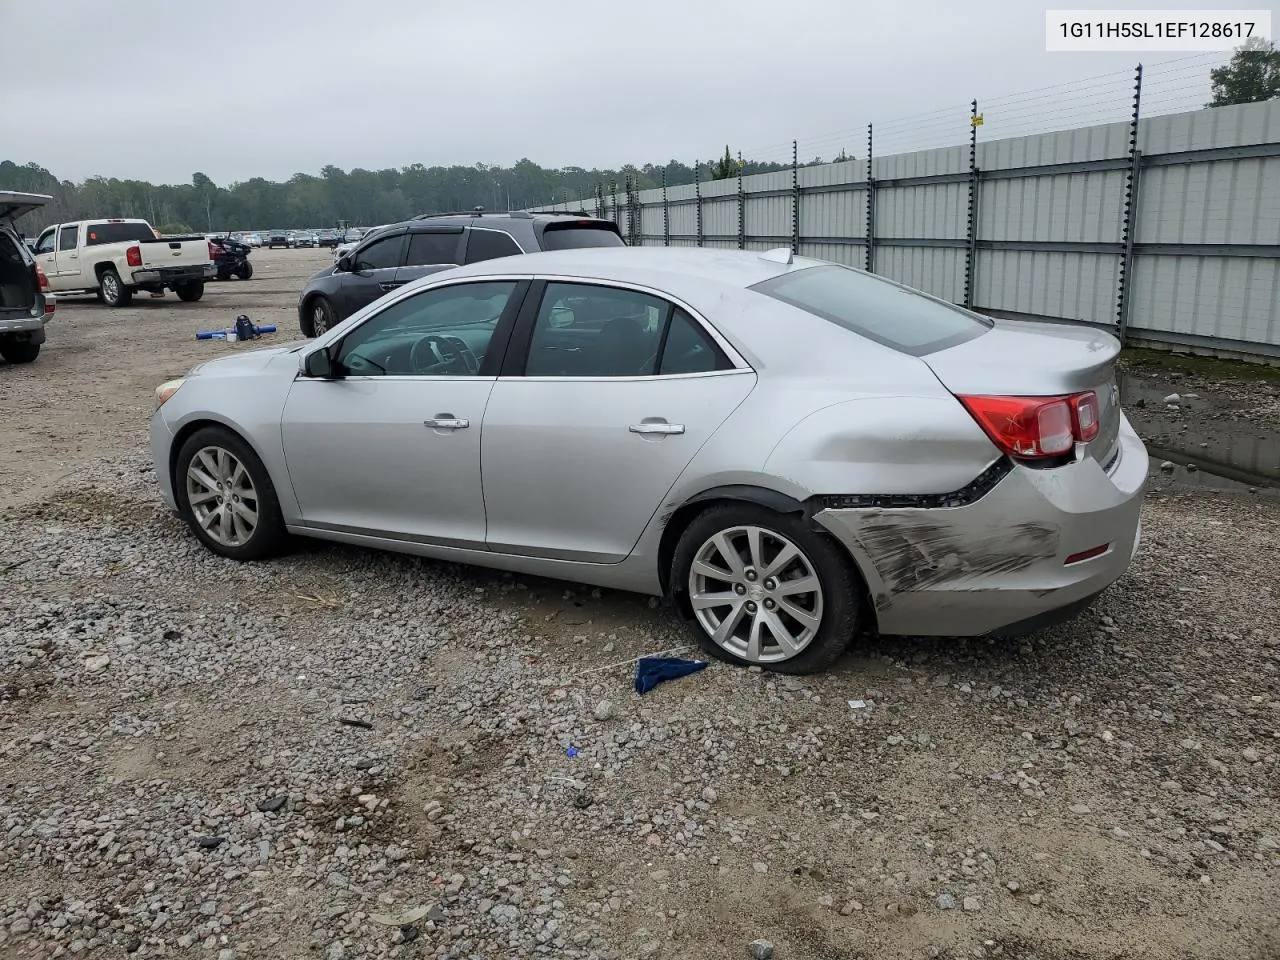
point(25, 303)
point(252, 239)
point(786, 449)
point(327, 238)
point(277, 238)
point(231, 258)
point(118, 257)
point(302, 239)
point(391, 256)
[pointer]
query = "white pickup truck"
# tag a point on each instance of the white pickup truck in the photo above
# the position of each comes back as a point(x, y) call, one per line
point(117, 258)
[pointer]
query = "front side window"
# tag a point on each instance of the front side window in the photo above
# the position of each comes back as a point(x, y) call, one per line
point(441, 332)
point(881, 310)
point(429, 249)
point(45, 243)
point(489, 245)
point(67, 237)
point(381, 254)
point(589, 331)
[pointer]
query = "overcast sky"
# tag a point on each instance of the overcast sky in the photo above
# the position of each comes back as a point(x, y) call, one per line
point(157, 89)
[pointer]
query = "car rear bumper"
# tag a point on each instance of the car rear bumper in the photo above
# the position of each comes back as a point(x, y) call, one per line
point(26, 327)
point(999, 564)
point(171, 275)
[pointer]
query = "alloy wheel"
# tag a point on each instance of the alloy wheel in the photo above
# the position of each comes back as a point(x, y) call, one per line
point(319, 318)
point(755, 594)
point(222, 496)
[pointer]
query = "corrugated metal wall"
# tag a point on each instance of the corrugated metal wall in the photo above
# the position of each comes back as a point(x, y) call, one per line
point(1047, 239)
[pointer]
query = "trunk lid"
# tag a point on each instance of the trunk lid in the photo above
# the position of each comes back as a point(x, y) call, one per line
point(13, 205)
point(1019, 359)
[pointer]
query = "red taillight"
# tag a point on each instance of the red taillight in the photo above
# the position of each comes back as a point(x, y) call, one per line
point(43, 282)
point(133, 256)
point(213, 252)
point(1033, 427)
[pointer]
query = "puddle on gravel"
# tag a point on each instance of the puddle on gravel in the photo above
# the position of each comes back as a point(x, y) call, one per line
point(1205, 453)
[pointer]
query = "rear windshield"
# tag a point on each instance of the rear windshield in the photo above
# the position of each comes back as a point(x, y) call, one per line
point(878, 309)
point(571, 236)
point(117, 233)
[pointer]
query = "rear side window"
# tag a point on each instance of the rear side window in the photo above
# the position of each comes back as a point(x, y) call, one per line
point(489, 245)
point(878, 309)
point(67, 237)
point(427, 249)
point(116, 233)
point(570, 236)
point(689, 348)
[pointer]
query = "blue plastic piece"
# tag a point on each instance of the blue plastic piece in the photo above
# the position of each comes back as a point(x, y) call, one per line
point(222, 334)
point(651, 671)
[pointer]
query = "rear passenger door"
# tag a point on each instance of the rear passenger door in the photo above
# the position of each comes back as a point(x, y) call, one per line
point(431, 250)
point(373, 273)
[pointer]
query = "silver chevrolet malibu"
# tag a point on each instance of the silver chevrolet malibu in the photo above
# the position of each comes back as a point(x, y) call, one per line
point(786, 449)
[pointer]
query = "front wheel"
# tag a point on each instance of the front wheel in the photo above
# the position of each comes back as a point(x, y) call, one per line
point(246, 271)
point(19, 351)
point(226, 496)
point(112, 291)
point(767, 591)
point(319, 318)
point(190, 291)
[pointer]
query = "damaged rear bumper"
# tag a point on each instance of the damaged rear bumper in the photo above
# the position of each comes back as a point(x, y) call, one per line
point(999, 564)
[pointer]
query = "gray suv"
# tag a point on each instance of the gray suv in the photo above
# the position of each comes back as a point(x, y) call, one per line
point(392, 256)
point(24, 309)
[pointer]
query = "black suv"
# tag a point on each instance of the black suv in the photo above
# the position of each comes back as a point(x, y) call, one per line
point(396, 254)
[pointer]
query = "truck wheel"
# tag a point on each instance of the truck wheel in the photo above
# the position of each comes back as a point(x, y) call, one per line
point(19, 351)
point(190, 291)
point(245, 272)
point(112, 289)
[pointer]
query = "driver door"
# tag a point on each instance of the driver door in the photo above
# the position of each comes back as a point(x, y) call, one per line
point(391, 447)
point(372, 273)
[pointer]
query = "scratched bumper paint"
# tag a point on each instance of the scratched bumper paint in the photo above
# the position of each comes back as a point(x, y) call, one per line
point(965, 571)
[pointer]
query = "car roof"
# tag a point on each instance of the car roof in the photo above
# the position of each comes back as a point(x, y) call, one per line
point(679, 270)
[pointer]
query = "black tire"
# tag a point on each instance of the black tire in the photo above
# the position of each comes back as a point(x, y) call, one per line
point(111, 289)
point(317, 317)
point(841, 593)
point(19, 351)
point(245, 272)
point(268, 537)
point(190, 291)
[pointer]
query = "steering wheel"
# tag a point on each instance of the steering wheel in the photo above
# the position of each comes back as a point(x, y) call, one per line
point(443, 355)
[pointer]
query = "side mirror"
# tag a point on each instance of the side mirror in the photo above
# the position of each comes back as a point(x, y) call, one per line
point(346, 264)
point(320, 364)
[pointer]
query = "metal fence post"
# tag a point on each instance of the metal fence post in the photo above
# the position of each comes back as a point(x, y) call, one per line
point(613, 192)
point(971, 247)
point(637, 237)
point(795, 198)
point(742, 208)
point(697, 192)
point(871, 203)
point(600, 209)
point(1130, 213)
point(666, 212)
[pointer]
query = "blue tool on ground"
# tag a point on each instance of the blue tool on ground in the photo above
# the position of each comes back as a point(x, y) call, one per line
point(222, 334)
point(651, 671)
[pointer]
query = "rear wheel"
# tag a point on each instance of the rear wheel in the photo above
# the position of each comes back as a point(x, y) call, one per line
point(226, 496)
point(190, 291)
point(19, 351)
point(767, 591)
point(111, 289)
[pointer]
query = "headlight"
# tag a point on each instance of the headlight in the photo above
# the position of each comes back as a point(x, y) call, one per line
point(167, 390)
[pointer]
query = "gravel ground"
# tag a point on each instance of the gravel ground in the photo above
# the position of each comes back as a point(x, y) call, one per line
point(348, 754)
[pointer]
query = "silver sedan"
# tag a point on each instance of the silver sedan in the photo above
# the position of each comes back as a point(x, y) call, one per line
point(785, 449)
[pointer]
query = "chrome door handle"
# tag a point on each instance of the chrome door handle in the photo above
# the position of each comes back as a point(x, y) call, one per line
point(447, 423)
point(663, 428)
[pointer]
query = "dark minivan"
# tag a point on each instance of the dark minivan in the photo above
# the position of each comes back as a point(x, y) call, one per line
point(396, 254)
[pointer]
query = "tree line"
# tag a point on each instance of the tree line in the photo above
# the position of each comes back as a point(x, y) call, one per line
point(358, 197)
